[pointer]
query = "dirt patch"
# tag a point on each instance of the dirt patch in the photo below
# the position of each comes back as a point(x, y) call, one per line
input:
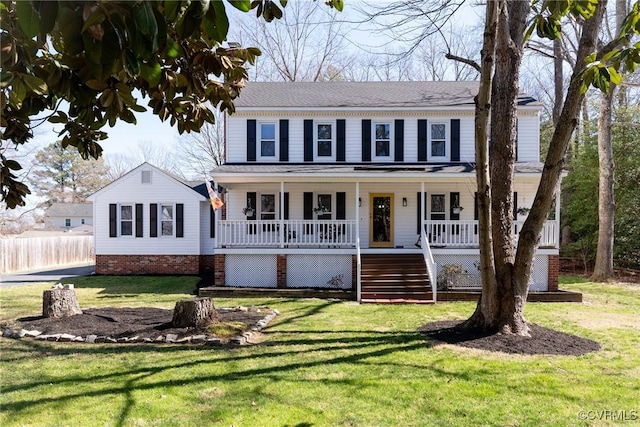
point(541, 341)
point(144, 322)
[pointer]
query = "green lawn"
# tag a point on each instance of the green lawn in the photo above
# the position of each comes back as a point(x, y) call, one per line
point(323, 363)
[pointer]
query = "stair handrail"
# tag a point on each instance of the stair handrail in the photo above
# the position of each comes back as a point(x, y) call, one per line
point(358, 271)
point(430, 263)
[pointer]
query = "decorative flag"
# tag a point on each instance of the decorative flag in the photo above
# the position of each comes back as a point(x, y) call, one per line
point(216, 202)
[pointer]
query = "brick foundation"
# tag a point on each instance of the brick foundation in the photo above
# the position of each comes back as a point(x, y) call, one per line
point(219, 278)
point(147, 264)
point(553, 272)
point(282, 271)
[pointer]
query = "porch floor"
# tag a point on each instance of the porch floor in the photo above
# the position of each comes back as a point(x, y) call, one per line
point(443, 296)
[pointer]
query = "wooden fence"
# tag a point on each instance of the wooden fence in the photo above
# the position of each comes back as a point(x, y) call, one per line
point(35, 253)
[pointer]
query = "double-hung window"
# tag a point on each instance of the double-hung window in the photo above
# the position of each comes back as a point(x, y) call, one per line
point(268, 141)
point(166, 220)
point(324, 141)
point(438, 141)
point(382, 146)
point(268, 206)
point(126, 220)
point(67, 222)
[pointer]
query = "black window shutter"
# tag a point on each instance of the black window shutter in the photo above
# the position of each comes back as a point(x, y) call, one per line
point(419, 198)
point(475, 211)
point(139, 220)
point(455, 140)
point(341, 140)
point(341, 205)
point(286, 206)
point(399, 141)
point(284, 140)
point(366, 140)
point(113, 220)
point(179, 220)
point(251, 140)
point(153, 220)
point(252, 198)
point(307, 210)
point(454, 200)
point(515, 205)
point(308, 140)
point(475, 206)
point(422, 140)
point(212, 222)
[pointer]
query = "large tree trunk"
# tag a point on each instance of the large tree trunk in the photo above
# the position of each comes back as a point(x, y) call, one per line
point(603, 269)
point(60, 302)
point(197, 312)
point(501, 305)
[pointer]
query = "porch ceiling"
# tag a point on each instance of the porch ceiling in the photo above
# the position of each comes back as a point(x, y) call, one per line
point(357, 172)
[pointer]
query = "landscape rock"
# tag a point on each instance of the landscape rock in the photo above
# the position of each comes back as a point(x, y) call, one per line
point(238, 340)
point(66, 337)
point(198, 339)
point(214, 341)
point(33, 333)
point(171, 338)
point(7, 333)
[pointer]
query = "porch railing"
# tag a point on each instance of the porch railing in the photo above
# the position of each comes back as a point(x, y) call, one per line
point(294, 233)
point(465, 233)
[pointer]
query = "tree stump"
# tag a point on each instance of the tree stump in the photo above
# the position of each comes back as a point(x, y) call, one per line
point(197, 312)
point(60, 302)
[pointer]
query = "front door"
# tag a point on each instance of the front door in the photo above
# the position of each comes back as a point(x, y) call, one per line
point(381, 221)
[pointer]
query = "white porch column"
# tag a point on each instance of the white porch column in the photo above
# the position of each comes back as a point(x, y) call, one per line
point(358, 262)
point(281, 231)
point(557, 227)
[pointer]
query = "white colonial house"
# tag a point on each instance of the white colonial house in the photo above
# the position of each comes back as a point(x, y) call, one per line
point(365, 187)
point(66, 216)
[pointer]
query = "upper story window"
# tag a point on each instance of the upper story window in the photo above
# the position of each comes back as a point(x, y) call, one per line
point(324, 141)
point(126, 220)
point(166, 218)
point(146, 177)
point(268, 140)
point(382, 146)
point(438, 140)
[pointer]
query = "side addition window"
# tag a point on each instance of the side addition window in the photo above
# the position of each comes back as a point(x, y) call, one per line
point(438, 139)
point(383, 140)
point(325, 139)
point(267, 140)
point(126, 220)
point(167, 220)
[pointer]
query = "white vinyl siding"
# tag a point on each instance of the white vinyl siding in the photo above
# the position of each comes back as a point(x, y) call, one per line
point(163, 190)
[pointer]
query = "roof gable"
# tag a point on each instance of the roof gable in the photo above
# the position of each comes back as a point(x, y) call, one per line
point(138, 171)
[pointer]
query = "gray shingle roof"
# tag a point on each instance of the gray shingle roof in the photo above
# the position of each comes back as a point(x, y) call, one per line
point(362, 95)
point(70, 209)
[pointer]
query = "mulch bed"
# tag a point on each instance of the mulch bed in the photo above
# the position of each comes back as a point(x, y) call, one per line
point(541, 341)
point(144, 322)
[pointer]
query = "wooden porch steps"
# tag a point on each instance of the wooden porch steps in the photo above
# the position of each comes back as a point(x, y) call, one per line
point(395, 278)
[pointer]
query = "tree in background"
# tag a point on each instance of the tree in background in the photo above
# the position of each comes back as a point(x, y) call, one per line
point(98, 56)
point(63, 176)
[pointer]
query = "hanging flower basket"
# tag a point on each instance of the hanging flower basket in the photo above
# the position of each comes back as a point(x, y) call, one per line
point(457, 209)
point(248, 211)
point(318, 210)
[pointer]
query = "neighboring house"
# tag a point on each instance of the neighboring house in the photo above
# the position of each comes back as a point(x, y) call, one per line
point(65, 216)
point(148, 222)
point(326, 184)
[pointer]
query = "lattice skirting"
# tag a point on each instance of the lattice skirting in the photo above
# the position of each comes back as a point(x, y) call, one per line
point(319, 271)
point(251, 271)
point(470, 276)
